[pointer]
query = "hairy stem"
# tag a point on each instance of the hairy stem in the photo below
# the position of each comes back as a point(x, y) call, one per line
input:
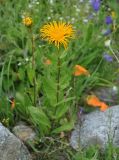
point(74, 90)
point(58, 77)
point(33, 67)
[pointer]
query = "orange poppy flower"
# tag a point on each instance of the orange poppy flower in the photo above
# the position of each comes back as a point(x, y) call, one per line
point(95, 102)
point(79, 70)
point(103, 106)
point(13, 104)
point(47, 62)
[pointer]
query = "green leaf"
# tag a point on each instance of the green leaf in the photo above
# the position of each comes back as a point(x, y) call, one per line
point(65, 127)
point(61, 110)
point(49, 88)
point(63, 55)
point(22, 104)
point(40, 120)
point(39, 117)
point(64, 101)
point(20, 98)
point(21, 73)
point(31, 74)
point(62, 107)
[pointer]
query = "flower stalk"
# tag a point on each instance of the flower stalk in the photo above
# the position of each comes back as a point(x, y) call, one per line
point(28, 22)
point(33, 67)
point(74, 90)
point(58, 77)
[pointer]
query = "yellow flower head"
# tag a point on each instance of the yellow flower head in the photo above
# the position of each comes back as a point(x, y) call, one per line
point(57, 33)
point(27, 21)
point(113, 14)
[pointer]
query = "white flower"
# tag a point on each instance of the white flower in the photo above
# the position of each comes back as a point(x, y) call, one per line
point(30, 5)
point(37, 2)
point(61, 18)
point(115, 89)
point(49, 18)
point(51, 10)
point(81, 1)
point(19, 64)
point(78, 10)
point(26, 59)
point(73, 19)
point(51, 1)
point(85, 20)
point(107, 43)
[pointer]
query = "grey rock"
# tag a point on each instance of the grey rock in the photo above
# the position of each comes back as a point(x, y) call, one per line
point(107, 94)
point(97, 128)
point(24, 132)
point(11, 148)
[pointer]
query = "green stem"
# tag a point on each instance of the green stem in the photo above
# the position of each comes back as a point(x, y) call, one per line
point(33, 56)
point(58, 77)
point(33, 67)
point(114, 54)
point(75, 102)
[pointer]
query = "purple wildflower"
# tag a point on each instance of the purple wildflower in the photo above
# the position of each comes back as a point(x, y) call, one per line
point(107, 57)
point(95, 4)
point(108, 20)
point(80, 112)
point(90, 16)
point(107, 32)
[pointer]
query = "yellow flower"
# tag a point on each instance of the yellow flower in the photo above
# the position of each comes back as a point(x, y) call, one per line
point(57, 33)
point(27, 21)
point(114, 27)
point(5, 121)
point(113, 14)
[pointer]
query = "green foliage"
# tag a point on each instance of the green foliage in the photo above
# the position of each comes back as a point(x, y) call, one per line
point(66, 126)
point(7, 114)
point(52, 106)
point(39, 119)
point(89, 154)
point(17, 74)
